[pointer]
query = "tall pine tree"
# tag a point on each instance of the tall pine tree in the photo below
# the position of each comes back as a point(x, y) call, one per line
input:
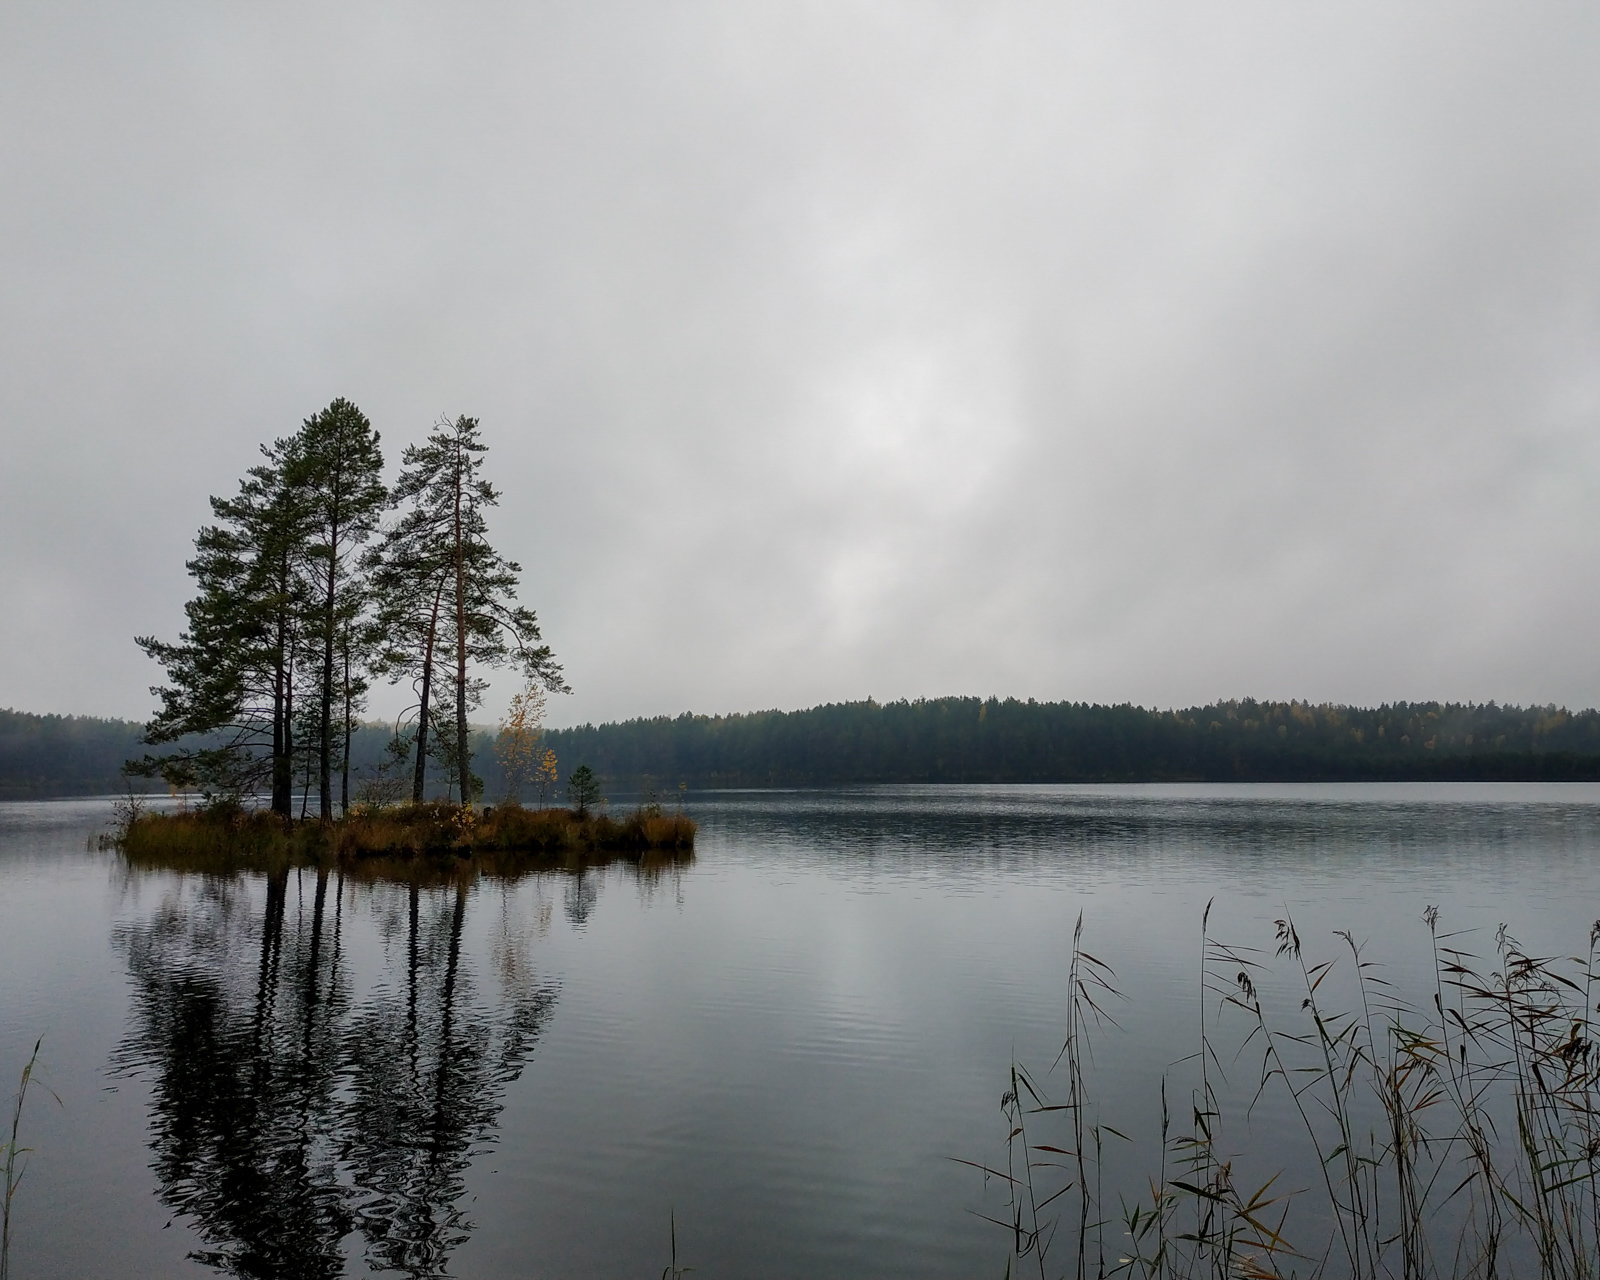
point(340, 478)
point(451, 593)
point(280, 617)
point(230, 675)
point(409, 571)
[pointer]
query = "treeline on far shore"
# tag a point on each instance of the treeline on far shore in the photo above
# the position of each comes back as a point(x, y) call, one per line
point(1008, 740)
point(63, 755)
point(45, 755)
point(947, 740)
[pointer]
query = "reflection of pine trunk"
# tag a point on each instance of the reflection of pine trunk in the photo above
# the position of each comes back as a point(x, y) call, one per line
point(436, 1146)
point(271, 940)
point(313, 967)
point(266, 992)
point(338, 923)
point(411, 981)
point(279, 1122)
point(419, 781)
point(305, 1095)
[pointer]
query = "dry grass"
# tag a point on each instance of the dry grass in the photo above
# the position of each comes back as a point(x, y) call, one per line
point(215, 841)
point(401, 841)
point(509, 828)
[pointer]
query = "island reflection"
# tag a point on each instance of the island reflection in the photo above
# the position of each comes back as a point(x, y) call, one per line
point(319, 1090)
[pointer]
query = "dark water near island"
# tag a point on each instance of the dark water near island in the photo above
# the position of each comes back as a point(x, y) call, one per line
point(778, 1046)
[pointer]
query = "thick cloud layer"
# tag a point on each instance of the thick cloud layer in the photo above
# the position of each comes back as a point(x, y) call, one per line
point(1122, 351)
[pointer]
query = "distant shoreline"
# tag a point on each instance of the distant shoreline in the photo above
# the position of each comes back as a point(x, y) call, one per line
point(954, 740)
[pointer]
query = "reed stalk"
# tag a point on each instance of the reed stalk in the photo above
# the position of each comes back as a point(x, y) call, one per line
point(1458, 1137)
point(14, 1153)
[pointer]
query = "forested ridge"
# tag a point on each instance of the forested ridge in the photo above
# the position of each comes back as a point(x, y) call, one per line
point(995, 740)
point(49, 755)
point(62, 755)
point(947, 740)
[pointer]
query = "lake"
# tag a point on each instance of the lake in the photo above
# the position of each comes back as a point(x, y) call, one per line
point(778, 1051)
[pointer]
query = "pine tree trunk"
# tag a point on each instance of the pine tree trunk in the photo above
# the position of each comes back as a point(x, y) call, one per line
point(463, 747)
point(419, 780)
point(282, 703)
point(288, 735)
point(280, 734)
point(325, 747)
point(344, 772)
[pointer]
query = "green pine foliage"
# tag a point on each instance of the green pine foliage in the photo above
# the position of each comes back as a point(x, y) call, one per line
point(339, 478)
point(583, 789)
point(227, 709)
point(447, 601)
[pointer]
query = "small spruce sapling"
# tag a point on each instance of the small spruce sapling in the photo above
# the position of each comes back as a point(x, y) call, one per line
point(583, 789)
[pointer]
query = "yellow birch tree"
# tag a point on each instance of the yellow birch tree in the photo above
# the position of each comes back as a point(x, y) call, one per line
point(518, 741)
point(545, 774)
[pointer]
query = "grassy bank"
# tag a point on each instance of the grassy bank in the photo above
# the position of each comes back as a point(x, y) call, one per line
point(505, 839)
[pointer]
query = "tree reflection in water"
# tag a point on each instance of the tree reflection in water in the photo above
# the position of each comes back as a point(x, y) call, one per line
point(285, 1113)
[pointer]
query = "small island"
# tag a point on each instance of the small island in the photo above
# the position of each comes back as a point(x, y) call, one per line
point(433, 839)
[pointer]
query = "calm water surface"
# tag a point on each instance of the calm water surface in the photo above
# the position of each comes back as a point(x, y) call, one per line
point(778, 1046)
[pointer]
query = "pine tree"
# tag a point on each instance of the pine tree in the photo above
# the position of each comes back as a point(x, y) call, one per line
point(230, 674)
point(339, 473)
point(583, 789)
point(409, 571)
point(292, 618)
point(446, 590)
point(360, 642)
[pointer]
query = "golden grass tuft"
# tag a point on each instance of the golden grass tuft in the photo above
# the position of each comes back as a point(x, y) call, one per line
point(503, 840)
point(214, 841)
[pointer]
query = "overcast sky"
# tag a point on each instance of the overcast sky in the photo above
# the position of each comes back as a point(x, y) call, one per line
point(1114, 352)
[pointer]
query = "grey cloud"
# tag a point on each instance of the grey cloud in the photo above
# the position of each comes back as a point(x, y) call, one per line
point(1148, 352)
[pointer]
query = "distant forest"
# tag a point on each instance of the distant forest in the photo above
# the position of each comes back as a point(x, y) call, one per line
point(946, 740)
point(63, 755)
point(994, 740)
point(42, 756)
